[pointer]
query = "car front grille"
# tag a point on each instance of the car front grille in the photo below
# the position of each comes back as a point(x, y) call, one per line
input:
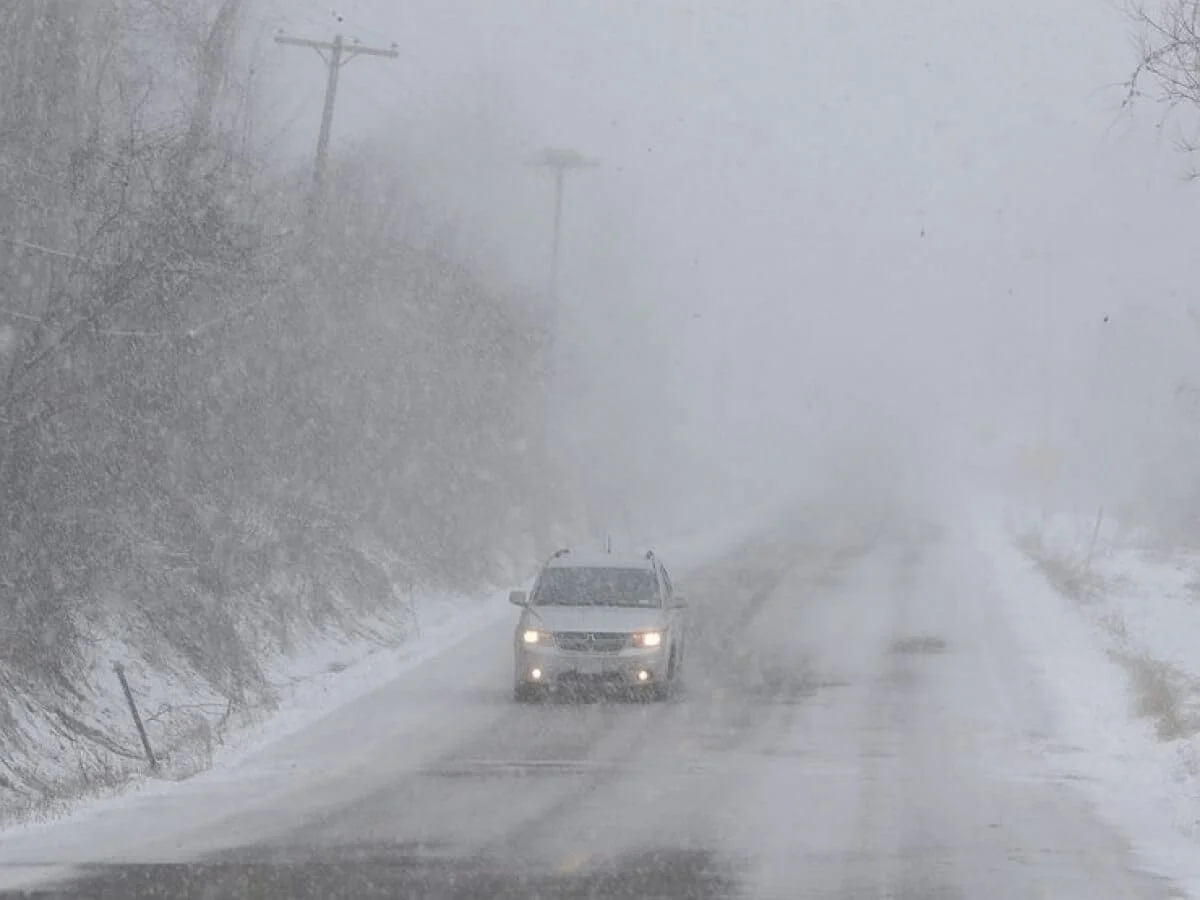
point(591, 641)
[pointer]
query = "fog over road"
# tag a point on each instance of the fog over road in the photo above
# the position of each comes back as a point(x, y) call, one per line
point(857, 721)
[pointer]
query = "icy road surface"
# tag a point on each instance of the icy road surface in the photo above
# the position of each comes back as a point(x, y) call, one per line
point(857, 722)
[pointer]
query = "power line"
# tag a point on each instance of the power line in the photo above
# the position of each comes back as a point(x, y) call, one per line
point(196, 330)
point(8, 311)
point(49, 251)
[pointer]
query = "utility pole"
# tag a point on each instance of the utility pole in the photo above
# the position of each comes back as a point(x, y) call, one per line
point(558, 162)
point(340, 53)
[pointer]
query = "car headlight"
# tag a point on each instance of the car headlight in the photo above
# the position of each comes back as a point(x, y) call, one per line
point(647, 639)
point(533, 636)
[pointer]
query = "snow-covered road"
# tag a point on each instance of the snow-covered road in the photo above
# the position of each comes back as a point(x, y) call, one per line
point(859, 720)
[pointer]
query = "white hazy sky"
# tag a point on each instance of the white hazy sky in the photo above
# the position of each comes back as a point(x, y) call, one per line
point(852, 217)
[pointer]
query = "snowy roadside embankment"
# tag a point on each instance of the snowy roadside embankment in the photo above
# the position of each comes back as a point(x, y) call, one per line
point(78, 740)
point(214, 652)
point(1111, 625)
point(325, 672)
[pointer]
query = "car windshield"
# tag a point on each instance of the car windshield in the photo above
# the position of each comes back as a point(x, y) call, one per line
point(596, 587)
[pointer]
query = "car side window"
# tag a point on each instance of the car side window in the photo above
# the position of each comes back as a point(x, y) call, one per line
point(667, 590)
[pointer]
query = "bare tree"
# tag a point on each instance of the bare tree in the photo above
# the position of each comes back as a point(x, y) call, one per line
point(215, 429)
point(1168, 67)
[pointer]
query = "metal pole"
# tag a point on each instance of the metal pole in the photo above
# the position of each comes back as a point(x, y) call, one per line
point(137, 719)
point(560, 175)
point(1087, 563)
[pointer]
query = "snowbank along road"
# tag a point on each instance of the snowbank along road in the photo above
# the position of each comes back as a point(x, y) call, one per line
point(856, 721)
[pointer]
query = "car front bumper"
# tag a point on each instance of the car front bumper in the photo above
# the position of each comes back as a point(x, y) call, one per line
point(552, 667)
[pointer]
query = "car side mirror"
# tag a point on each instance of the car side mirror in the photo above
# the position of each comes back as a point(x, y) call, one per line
point(679, 603)
point(518, 598)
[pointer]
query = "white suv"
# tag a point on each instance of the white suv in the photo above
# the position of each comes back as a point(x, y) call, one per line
point(603, 621)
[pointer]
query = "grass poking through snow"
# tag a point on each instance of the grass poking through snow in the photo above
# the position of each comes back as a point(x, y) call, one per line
point(1163, 692)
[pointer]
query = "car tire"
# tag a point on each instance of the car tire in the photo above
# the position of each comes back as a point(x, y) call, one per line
point(661, 691)
point(526, 693)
